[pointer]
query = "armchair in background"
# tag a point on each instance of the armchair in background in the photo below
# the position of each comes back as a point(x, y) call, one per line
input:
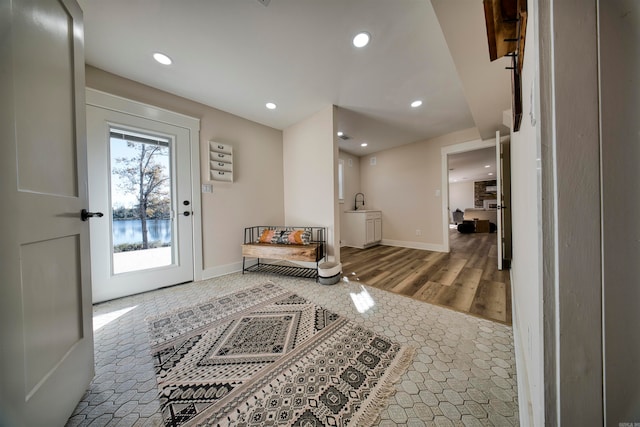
point(458, 216)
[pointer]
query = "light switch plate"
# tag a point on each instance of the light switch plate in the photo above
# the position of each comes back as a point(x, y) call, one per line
point(207, 188)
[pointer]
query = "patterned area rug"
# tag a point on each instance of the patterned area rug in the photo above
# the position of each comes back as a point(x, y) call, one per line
point(268, 357)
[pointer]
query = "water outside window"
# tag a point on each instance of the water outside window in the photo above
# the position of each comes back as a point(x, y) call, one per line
point(142, 231)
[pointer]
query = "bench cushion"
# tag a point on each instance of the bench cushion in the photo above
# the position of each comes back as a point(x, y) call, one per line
point(310, 252)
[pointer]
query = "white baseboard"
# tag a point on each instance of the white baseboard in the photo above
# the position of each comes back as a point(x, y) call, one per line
point(413, 245)
point(221, 270)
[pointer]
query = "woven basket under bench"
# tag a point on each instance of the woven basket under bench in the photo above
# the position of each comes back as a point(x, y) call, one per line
point(313, 251)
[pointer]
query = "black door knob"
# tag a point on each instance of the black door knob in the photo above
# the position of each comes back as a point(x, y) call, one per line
point(186, 203)
point(186, 213)
point(85, 214)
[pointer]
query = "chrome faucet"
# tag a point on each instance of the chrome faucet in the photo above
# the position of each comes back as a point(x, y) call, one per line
point(355, 201)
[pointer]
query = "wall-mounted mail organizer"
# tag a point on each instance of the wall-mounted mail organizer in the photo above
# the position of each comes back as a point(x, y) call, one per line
point(220, 162)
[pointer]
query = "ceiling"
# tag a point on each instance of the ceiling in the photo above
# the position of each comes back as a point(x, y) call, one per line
point(237, 55)
point(472, 165)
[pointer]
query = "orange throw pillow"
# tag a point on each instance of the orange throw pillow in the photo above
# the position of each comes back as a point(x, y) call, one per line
point(295, 237)
point(267, 235)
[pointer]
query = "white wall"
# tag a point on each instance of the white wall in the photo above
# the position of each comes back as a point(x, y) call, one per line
point(406, 184)
point(526, 278)
point(351, 185)
point(310, 157)
point(255, 198)
point(572, 282)
point(620, 105)
point(526, 281)
point(569, 303)
point(461, 195)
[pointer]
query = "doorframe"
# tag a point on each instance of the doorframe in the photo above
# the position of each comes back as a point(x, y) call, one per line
point(463, 147)
point(119, 104)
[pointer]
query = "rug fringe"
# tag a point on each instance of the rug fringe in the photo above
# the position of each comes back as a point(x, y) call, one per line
point(369, 414)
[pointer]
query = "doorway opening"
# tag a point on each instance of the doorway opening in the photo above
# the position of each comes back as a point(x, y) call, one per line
point(475, 183)
point(144, 176)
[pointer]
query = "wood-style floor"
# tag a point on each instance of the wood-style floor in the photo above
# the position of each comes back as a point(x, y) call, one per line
point(466, 279)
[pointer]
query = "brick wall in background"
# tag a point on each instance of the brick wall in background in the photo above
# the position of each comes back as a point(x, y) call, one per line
point(480, 193)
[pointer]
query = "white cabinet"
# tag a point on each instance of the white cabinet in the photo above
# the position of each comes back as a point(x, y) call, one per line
point(369, 232)
point(362, 228)
point(377, 229)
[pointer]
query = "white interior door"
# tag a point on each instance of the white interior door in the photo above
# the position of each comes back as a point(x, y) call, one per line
point(45, 292)
point(500, 199)
point(140, 179)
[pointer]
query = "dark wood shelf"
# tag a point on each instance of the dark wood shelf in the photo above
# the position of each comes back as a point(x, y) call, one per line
point(506, 22)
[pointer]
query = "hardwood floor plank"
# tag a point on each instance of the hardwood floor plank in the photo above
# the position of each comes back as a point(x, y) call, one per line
point(382, 275)
point(493, 251)
point(490, 301)
point(428, 292)
point(508, 313)
point(469, 278)
point(410, 285)
point(492, 273)
point(466, 279)
point(460, 294)
point(448, 273)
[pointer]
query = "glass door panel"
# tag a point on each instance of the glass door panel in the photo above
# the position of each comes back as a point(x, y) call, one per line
point(141, 200)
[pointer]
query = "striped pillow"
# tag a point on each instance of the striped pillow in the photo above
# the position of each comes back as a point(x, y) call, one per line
point(281, 236)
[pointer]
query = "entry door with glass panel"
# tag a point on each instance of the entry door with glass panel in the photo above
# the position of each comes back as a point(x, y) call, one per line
point(139, 178)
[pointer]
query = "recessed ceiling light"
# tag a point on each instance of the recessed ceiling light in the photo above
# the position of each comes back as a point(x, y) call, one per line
point(416, 103)
point(271, 105)
point(361, 39)
point(487, 166)
point(490, 173)
point(340, 133)
point(364, 144)
point(162, 58)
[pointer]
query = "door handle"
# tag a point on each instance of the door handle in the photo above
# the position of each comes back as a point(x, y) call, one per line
point(187, 213)
point(85, 214)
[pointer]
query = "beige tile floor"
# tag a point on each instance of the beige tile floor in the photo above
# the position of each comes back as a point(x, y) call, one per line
point(463, 373)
